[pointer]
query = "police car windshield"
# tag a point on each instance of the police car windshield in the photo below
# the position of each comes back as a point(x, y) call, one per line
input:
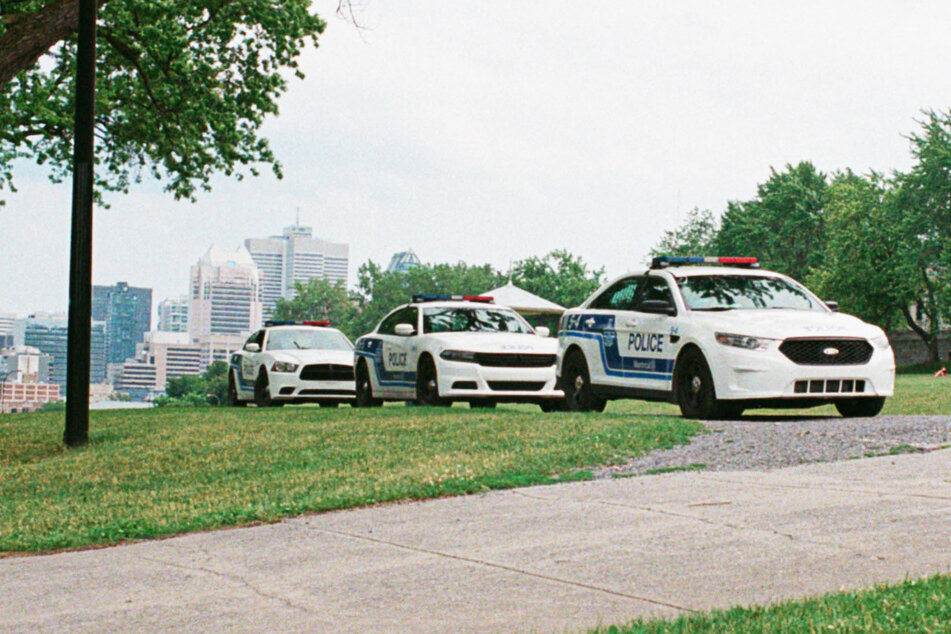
point(728, 292)
point(306, 339)
point(472, 320)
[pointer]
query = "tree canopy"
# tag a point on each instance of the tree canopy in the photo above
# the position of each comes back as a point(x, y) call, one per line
point(182, 87)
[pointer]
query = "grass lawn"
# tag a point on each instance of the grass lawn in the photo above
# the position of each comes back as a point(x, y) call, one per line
point(157, 472)
point(914, 606)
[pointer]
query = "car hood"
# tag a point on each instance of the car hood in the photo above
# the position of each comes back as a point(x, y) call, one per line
point(495, 342)
point(785, 323)
point(305, 357)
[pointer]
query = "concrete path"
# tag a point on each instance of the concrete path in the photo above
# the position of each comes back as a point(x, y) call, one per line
point(542, 559)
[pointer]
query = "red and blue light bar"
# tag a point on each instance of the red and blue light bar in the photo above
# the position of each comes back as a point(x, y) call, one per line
point(673, 260)
point(290, 322)
point(428, 297)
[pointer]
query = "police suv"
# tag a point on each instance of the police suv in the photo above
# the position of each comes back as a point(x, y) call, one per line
point(292, 362)
point(441, 348)
point(717, 340)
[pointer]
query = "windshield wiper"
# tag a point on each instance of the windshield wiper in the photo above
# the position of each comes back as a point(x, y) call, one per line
point(713, 309)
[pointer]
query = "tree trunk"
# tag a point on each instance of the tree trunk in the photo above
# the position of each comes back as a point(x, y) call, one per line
point(29, 35)
point(930, 340)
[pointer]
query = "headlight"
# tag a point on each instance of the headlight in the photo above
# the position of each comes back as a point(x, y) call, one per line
point(284, 366)
point(458, 355)
point(742, 341)
point(881, 342)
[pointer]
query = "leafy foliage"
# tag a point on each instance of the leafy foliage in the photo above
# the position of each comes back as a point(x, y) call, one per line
point(559, 277)
point(189, 390)
point(182, 90)
point(319, 300)
point(697, 236)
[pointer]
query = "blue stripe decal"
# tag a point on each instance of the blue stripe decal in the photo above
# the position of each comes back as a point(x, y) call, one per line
point(235, 364)
point(626, 367)
point(373, 349)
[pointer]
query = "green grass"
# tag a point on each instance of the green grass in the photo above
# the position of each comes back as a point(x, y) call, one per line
point(159, 472)
point(914, 606)
point(695, 466)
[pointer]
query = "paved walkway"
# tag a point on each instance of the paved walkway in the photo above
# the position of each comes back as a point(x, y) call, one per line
point(542, 559)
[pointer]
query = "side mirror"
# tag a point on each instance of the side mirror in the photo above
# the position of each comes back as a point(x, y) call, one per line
point(542, 331)
point(833, 305)
point(657, 307)
point(252, 347)
point(404, 330)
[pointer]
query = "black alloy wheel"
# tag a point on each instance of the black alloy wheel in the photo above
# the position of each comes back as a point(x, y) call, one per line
point(233, 399)
point(695, 392)
point(262, 392)
point(427, 385)
point(579, 396)
point(364, 388)
point(860, 407)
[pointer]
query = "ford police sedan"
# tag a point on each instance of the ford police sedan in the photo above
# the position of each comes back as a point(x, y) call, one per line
point(440, 348)
point(292, 362)
point(718, 340)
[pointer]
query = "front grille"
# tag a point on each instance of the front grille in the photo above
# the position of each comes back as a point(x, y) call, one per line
point(464, 385)
point(830, 386)
point(827, 351)
point(515, 360)
point(327, 372)
point(516, 386)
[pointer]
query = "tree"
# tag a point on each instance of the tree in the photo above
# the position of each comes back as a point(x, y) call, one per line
point(183, 87)
point(860, 267)
point(783, 225)
point(697, 236)
point(922, 215)
point(559, 277)
point(191, 390)
point(318, 300)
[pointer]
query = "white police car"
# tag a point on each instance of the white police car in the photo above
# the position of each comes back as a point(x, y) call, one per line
point(717, 340)
point(441, 348)
point(292, 362)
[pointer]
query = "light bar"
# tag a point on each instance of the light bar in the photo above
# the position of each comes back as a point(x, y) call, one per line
point(668, 260)
point(290, 322)
point(428, 297)
point(316, 323)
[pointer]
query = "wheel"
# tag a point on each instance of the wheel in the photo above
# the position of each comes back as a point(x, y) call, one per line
point(482, 404)
point(694, 389)
point(233, 399)
point(860, 407)
point(262, 392)
point(427, 387)
point(579, 397)
point(365, 389)
point(330, 404)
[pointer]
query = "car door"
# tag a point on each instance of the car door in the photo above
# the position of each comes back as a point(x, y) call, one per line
point(602, 325)
point(395, 374)
point(250, 361)
point(651, 339)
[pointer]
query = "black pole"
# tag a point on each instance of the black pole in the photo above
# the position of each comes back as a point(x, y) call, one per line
point(80, 261)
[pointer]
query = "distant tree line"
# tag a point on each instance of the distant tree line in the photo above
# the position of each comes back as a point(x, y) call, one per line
point(879, 245)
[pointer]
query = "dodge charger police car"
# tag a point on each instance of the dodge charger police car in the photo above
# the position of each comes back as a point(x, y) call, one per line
point(292, 362)
point(717, 340)
point(440, 348)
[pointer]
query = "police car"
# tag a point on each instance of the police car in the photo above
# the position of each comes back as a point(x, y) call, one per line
point(292, 362)
point(717, 336)
point(441, 348)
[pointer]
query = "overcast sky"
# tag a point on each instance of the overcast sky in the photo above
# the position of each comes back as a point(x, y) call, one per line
point(493, 131)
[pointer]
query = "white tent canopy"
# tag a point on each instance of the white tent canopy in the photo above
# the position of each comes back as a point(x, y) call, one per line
point(523, 301)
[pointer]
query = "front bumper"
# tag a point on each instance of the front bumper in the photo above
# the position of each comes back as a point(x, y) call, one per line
point(757, 375)
point(462, 381)
point(290, 387)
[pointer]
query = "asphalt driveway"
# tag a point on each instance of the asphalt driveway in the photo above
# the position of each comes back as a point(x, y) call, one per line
point(543, 559)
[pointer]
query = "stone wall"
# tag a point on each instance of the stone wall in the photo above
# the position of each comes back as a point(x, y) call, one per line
point(910, 349)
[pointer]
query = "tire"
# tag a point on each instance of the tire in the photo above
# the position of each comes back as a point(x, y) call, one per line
point(262, 392)
point(482, 404)
point(233, 399)
point(579, 396)
point(330, 404)
point(427, 385)
point(860, 407)
point(364, 396)
point(694, 390)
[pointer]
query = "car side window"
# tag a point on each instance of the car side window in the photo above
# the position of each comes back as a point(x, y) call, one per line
point(409, 315)
point(654, 288)
point(618, 296)
point(388, 325)
point(257, 338)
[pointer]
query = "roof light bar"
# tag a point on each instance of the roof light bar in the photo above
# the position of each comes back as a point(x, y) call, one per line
point(291, 322)
point(316, 323)
point(670, 260)
point(429, 297)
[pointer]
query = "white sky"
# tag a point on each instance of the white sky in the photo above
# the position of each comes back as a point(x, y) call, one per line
point(492, 131)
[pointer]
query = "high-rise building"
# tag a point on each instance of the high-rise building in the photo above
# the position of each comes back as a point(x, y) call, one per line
point(225, 294)
point(7, 321)
point(173, 314)
point(295, 256)
point(127, 313)
point(49, 334)
point(403, 261)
